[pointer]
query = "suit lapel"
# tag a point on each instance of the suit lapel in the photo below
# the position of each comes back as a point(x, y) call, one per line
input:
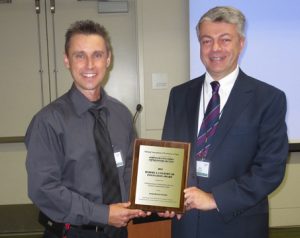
point(193, 100)
point(192, 109)
point(241, 94)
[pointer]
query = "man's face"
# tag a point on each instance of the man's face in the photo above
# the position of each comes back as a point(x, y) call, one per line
point(87, 61)
point(220, 47)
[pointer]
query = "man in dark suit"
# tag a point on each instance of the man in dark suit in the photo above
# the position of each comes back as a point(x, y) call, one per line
point(245, 155)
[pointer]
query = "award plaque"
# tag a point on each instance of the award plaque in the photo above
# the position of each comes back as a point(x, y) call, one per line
point(159, 175)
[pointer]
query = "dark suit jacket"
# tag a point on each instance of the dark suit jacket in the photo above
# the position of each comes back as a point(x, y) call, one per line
point(248, 156)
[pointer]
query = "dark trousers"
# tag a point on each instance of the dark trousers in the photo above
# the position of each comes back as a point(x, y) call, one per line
point(79, 233)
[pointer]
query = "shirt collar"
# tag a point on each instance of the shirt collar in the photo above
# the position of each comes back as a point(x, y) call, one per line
point(81, 104)
point(225, 83)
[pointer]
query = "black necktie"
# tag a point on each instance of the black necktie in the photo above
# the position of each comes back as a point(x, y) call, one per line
point(110, 179)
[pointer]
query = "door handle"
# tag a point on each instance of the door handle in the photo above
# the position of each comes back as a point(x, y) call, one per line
point(37, 7)
point(52, 6)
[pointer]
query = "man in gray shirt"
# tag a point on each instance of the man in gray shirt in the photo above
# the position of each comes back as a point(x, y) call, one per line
point(64, 178)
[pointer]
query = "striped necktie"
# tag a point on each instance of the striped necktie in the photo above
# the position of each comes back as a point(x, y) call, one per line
point(210, 122)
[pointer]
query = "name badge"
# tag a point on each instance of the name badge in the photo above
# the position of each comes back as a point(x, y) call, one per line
point(118, 159)
point(202, 168)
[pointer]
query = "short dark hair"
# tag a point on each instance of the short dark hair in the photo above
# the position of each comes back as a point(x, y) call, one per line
point(86, 27)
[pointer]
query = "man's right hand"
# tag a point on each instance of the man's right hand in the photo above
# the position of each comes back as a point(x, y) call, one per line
point(168, 214)
point(120, 214)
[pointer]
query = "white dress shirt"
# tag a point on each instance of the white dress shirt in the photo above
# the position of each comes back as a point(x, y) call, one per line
point(226, 85)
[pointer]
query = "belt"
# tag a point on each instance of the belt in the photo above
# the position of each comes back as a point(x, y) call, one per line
point(88, 227)
point(60, 228)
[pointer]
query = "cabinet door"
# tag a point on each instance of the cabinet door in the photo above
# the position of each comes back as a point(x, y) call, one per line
point(20, 83)
point(122, 80)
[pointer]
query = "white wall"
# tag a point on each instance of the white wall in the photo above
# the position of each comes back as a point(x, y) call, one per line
point(285, 201)
point(13, 177)
point(163, 50)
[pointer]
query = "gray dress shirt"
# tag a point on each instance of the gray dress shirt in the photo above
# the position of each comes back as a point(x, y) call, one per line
point(62, 162)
